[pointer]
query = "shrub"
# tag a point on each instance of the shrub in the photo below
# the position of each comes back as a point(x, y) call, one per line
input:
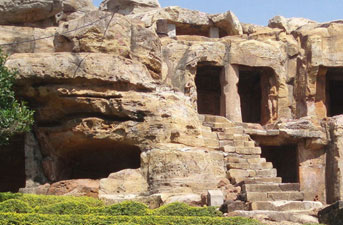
point(15, 117)
point(41, 219)
point(182, 209)
point(127, 208)
point(15, 205)
point(64, 208)
point(39, 200)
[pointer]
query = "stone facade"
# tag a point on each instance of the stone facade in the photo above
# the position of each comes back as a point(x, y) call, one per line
point(122, 95)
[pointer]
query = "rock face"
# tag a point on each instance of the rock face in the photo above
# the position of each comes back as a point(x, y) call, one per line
point(19, 12)
point(332, 214)
point(164, 104)
point(126, 7)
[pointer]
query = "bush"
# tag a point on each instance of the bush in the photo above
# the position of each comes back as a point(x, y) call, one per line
point(182, 209)
point(15, 117)
point(64, 208)
point(127, 208)
point(43, 200)
point(40, 219)
point(15, 205)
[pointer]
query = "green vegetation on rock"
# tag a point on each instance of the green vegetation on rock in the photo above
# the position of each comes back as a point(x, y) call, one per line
point(30, 209)
point(15, 117)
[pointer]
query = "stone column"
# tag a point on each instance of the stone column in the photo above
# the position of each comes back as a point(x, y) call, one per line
point(312, 172)
point(232, 105)
point(334, 165)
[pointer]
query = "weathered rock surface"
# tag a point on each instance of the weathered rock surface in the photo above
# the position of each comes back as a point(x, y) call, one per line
point(113, 34)
point(125, 182)
point(192, 22)
point(187, 170)
point(126, 7)
point(19, 12)
point(81, 187)
point(26, 39)
point(70, 6)
point(288, 24)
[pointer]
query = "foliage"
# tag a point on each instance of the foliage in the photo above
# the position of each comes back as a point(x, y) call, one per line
point(14, 205)
point(64, 208)
point(127, 208)
point(40, 219)
point(43, 200)
point(28, 209)
point(15, 117)
point(182, 209)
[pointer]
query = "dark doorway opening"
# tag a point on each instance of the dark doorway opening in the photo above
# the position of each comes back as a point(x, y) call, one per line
point(258, 94)
point(249, 89)
point(12, 165)
point(209, 89)
point(98, 159)
point(284, 159)
point(191, 29)
point(334, 91)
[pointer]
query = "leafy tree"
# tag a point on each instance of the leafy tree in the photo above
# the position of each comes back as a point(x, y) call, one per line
point(15, 117)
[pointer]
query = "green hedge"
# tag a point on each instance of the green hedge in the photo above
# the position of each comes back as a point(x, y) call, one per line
point(43, 200)
point(63, 208)
point(127, 208)
point(40, 219)
point(15, 205)
point(182, 209)
point(26, 209)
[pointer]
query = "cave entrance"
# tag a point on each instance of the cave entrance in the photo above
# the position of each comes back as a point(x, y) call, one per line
point(284, 159)
point(334, 91)
point(12, 165)
point(209, 89)
point(258, 93)
point(98, 159)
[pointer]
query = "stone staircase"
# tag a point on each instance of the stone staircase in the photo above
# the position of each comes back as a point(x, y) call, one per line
point(262, 190)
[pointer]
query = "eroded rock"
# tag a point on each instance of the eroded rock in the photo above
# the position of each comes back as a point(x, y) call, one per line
point(19, 12)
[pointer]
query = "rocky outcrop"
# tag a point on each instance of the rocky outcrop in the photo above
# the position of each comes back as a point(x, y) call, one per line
point(118, 97)
point(17, 12)
point(126, 7)
point(288, 24)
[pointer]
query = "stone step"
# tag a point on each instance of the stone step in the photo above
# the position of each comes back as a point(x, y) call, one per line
point(285, 205)
point(261, 180)
point(296, 216)
point(233, 130)
point(233, 173)
point(223, 136)
point(214, 119)
point(273, 196)
point(223, 143)
point(246, 165)
point(271, 187)
point(249, 144)
point(236, 155)
point(240, 150)
point(211, 143)
point(243, 160)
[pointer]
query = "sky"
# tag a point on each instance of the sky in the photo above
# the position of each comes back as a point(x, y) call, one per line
point(260, 11)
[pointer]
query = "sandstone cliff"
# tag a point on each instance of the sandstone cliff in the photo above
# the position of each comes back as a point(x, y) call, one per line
point(120, 94)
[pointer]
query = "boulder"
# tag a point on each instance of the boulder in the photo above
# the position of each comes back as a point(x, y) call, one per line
point(70, 6)
point(80, 187)
point(187, 170)
point(22, 39)
point(125, 182)
point(18, 11)
point(288, 24)
point(228, 22)
point(126, 7)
